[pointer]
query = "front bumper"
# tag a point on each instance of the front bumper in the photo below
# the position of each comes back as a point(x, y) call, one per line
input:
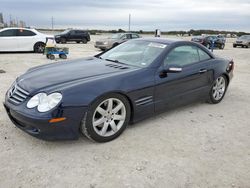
point(41, 128)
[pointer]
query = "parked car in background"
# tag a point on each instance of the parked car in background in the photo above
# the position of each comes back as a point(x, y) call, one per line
point(219, 41)
point(243, 41)
point(73, 36)
point(99, 96)
point(115, 40)
point(22, 39)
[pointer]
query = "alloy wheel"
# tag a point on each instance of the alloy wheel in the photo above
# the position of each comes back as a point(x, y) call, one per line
point(109, 117)
point(219, 88)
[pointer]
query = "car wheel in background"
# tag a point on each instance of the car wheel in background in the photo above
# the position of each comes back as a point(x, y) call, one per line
point(218, 90)
point(51, 56)
point(39, 47)
point(222, 46)
point(63, 40)
point(114, 45)
point(106, 118)
point(234, 46)
point(84, 41)
point(63, 56)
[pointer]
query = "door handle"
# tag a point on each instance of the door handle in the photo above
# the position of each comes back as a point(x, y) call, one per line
point(202, 71)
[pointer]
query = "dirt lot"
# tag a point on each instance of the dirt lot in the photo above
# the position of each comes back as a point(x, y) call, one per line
point(199, 145)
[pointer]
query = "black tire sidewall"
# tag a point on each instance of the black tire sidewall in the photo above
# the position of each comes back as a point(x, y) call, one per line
point(84, 41)
point(89, 129)
point(63, 40)
point(36, 47)
point(211, 98)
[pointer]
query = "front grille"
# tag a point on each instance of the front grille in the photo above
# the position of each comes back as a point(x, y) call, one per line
point(16, 94)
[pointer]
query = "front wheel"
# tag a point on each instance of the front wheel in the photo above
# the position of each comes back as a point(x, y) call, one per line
point(106, 118)
point(218, 90)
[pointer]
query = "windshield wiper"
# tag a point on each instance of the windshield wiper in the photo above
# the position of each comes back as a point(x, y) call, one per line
point(116, 61)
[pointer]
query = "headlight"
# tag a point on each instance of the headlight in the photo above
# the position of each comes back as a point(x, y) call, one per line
point(105, 43)
point(44, 102)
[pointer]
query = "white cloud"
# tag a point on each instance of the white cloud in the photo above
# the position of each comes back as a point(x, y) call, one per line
point(146, 14)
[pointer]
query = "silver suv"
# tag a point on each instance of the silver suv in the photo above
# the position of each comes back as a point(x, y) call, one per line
point(243, 41)
point(114, 40)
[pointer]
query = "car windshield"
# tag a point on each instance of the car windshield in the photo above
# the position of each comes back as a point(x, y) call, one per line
point(65, 32)
point(136, 53)
point(245, 37)
point(116, 36)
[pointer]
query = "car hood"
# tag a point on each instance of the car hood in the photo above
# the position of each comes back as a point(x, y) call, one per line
point(61, 73)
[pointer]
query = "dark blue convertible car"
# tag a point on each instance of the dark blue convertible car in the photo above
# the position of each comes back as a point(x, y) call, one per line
point(99, 96)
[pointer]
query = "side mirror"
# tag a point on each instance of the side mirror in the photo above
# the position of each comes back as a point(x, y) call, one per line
point(172, 69)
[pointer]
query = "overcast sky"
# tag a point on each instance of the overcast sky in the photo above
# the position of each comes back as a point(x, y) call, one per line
point(145, 14)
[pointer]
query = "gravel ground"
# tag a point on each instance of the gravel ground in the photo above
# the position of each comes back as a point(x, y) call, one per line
point(199, 145)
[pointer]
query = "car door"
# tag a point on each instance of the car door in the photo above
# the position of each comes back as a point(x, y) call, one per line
point(8, 40)
point(183, 76)
point(72, 36)
point(26, 40)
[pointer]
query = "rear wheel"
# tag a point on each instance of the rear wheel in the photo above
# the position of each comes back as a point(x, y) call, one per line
point(84, 41)
point(106, 118)
point(218, 90)
point(39, 47)
point(51, 56)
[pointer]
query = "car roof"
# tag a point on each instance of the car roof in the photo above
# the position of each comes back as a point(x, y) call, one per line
point(31, 29)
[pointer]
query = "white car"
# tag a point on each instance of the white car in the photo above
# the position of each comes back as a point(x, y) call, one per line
point(22, 39)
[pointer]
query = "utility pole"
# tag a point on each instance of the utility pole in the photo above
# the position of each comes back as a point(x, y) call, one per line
point(129, 22)
point(52, 22)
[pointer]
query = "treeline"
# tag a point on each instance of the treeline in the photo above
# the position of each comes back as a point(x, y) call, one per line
point(190, 32)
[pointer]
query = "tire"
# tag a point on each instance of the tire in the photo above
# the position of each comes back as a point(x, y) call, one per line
point(107, 126)
point(222, 46)
point(114, 45)
point(63, 40)
point(220, 89)
point(77, 42)
point(63, 56)
point(51, 57)
point(39, 47)
point(84, 41)
point(234, 46)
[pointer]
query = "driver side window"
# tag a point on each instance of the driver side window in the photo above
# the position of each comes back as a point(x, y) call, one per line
point(182, 56)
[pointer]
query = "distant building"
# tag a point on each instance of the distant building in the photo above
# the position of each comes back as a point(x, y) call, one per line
point(1, 21)
point(1, 18)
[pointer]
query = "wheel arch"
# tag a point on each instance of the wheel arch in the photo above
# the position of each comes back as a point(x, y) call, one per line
point(227, 77)
point(38, 42)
